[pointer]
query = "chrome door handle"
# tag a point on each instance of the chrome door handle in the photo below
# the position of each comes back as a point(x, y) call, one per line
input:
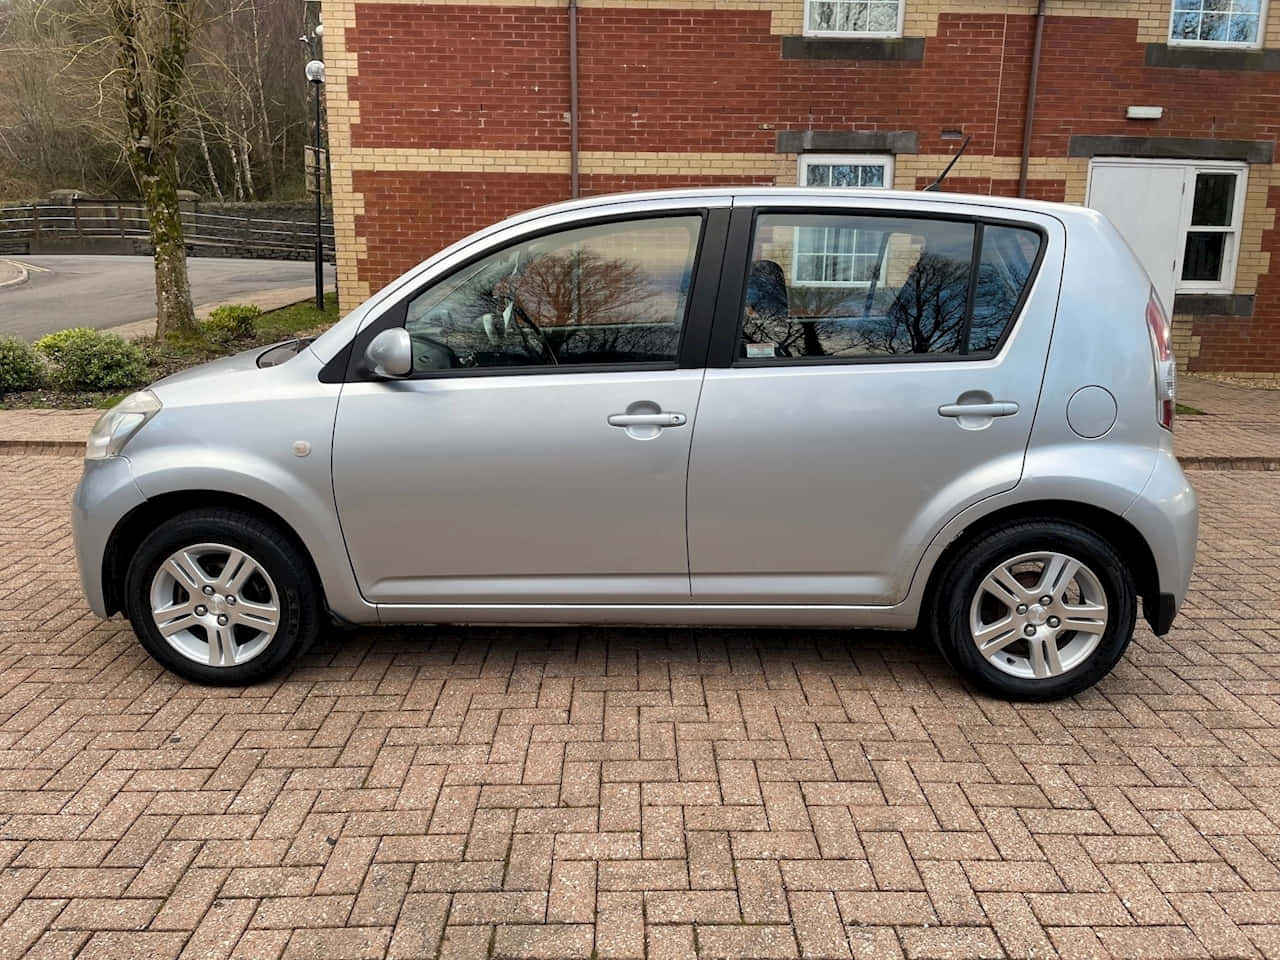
point(997, 408)
point(647, 420)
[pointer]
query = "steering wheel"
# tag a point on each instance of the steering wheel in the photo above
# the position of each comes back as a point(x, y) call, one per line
point(523, 319)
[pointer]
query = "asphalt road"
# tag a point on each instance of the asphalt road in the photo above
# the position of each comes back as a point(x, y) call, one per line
point(105, 291)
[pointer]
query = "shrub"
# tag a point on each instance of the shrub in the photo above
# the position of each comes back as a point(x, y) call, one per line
point(234, 321)
point(52, 344)
point(99, 361)
point(20, 367)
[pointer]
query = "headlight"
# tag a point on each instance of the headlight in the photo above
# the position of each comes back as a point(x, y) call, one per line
point(115, 427)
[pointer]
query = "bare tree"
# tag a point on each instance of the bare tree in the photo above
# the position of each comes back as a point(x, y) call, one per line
point(152, 39)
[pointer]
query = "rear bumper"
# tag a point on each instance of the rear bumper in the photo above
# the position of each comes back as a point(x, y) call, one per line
point(1167, 515)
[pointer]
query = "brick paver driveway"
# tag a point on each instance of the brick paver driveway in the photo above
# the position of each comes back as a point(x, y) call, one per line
point(563, 793)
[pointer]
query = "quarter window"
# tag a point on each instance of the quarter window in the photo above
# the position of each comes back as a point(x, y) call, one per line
point(1218, 22)
point(606, 294)
point(922, 291)
point(853, 18)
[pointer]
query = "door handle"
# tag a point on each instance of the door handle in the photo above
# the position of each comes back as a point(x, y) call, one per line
point(647, 420)
point(997, 408)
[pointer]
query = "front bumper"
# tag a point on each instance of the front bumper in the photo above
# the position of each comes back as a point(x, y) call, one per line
point(105, 494)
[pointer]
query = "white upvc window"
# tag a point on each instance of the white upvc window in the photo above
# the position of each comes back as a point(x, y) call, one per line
point(1211, 218)
point(853, 18)
point(834, 256)
point(1218, 23)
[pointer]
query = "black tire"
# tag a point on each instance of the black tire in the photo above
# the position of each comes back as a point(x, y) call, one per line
point(300, 607)
point(965, 571)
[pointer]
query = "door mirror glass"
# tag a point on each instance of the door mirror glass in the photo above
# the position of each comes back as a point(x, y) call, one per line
point(390, 353)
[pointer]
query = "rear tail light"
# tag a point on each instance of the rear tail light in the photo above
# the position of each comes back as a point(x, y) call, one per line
point(1162, 355)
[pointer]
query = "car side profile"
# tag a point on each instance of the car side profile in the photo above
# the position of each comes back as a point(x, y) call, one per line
point(754, 406)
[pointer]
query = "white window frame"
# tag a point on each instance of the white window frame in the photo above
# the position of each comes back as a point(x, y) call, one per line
point(863, 34)
point(1219, 44)
point(806, 160)
point(1231, 251)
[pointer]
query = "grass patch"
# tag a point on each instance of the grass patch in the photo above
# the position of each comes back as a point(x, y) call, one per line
point(178, 352)
point(1182, 410)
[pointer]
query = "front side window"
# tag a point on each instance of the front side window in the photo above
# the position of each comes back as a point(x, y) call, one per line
point(604, 294)
point(926, 287)
point(853, 18)
point(1218, 22)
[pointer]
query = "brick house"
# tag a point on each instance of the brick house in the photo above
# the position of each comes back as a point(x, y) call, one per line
point(446, 116)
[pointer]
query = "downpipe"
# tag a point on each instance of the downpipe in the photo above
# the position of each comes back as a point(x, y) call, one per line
point(1030, 118)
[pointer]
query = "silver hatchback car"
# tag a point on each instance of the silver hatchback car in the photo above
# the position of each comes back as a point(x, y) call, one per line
point(721, 407)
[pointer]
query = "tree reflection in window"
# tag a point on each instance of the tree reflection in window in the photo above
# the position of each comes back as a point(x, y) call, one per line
point(613, 293)
point(915, 302)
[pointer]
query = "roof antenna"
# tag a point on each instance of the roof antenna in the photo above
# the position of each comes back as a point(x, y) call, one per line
point(937, 183)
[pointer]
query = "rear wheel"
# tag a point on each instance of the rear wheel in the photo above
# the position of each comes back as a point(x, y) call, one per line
point(1037, 610)
point(220, 597)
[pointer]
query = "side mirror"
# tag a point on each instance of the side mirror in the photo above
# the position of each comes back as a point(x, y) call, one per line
point(390, 353)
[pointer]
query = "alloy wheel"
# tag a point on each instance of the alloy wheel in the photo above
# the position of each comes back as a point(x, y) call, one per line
point(215, 604)
point(1038, 615)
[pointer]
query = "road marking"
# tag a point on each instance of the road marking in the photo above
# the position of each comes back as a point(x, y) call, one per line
point(29, 266)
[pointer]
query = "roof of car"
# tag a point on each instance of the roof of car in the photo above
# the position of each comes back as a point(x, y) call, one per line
point(914, 198)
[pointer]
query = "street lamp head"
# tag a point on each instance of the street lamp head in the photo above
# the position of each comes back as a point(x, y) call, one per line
point(315, 71)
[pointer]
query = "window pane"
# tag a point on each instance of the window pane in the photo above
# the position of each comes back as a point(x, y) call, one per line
point(1186, 26)
point(817, 175)
point(613, 293)
point(1008, 254)
point(1204, 255)
point(843, 175)
point(853, 16)
point(872, 175)
point(1214, 200)
point(855, 286)
point(1213, 26)
point(1243, 29)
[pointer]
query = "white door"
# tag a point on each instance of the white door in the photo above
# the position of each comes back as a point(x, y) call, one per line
point(1144, 201)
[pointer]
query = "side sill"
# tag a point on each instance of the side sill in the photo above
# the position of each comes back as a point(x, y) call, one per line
point(656, 614)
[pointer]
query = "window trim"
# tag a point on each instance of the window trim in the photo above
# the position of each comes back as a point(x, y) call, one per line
point(860, 34)
point(805, 161)
point(731, 311)
point(1256, 44)
point(348, 364)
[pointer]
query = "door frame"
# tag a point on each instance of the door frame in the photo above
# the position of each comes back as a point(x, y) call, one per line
point(348, 365)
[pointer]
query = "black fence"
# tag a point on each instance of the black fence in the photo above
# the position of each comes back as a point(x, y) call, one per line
point(96, 226)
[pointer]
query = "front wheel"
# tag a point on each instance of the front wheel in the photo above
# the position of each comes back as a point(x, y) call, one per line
point(220, 597)
point(1037, 610)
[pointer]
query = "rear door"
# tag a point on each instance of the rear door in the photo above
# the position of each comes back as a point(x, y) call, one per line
point(875, 369)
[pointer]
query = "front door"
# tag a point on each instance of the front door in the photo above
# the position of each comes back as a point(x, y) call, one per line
point(884, 376)
point(539, 450)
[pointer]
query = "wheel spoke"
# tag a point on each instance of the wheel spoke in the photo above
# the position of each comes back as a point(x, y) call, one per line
point(996, 637)
point(239, 568)
point(1058, 572)
point(1084, 624)
point(186, 571)
point(175, 624)
point(260, 616)
point(222, 647)
point(1002, 585)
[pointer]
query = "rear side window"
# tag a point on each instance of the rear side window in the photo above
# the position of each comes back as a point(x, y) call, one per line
point(861, 287)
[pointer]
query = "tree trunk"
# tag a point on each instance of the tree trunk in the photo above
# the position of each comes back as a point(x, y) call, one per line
point(208, 160)
point(174, 312)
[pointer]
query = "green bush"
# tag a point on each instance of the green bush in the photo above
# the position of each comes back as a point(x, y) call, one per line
point(20, 367)
point(52, 344)
point(234, 321)
point(99, 361)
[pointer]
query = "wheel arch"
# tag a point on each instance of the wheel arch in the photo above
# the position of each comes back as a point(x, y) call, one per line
point(1115, 529)
point(134, 526)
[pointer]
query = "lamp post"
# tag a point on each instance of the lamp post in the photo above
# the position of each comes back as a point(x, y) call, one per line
point(315, 74)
